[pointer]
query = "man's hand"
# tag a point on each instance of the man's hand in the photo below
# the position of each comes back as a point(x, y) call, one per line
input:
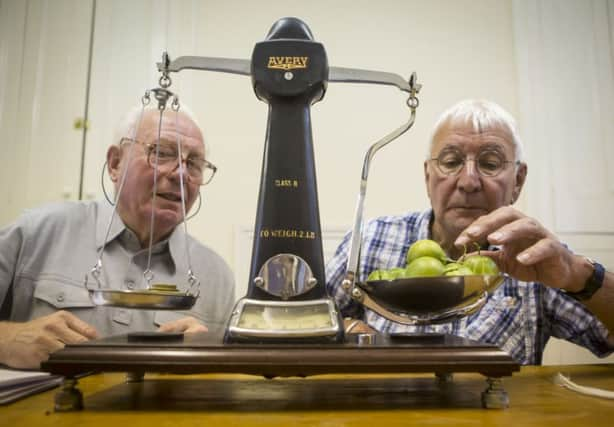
point(26, 345)
point(529, 251)
point(185, 324)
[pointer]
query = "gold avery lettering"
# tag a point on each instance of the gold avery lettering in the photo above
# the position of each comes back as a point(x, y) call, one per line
point(287, 62)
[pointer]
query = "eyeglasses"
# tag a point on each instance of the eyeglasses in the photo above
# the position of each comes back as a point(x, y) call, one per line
point(198, 170)
point(488, 162)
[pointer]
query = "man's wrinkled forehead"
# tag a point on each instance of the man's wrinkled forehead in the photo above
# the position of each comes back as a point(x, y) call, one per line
point(171, 127)
point(467, 134)
point(169, 121)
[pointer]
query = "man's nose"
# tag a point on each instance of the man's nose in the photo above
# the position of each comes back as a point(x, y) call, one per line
point(469, 177)
point(173, 173)
point(175, 164)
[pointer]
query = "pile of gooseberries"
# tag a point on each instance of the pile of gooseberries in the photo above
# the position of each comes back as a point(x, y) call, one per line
point(426, 258)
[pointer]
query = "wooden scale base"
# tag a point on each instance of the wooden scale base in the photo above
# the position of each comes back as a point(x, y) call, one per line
point(206, 353)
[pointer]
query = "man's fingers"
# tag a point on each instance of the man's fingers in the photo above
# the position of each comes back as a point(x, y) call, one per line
point(485, 225)
point(168, 327)
point(68, 328)
point(27, 344)
point(524, 228)
point(80, 327)
point(185, 324)
point(68, 336)
point(197, 327)
point(48, 344)
point(540, 251)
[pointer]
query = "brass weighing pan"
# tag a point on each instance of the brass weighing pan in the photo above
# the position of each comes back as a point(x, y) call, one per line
point(157, 297)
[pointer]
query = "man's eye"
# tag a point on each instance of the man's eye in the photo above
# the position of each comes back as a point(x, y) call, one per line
point(492, 166)
point(490, 162)
point(195, 164)
point(451, 161)
point(167, 153)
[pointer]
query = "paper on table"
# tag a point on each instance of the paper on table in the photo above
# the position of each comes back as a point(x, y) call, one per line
point(15, 384)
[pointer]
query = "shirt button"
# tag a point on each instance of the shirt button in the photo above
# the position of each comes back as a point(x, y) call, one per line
point(60, 297)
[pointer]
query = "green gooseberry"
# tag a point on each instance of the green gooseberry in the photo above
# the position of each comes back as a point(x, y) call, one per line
point(424, 248)
point(425, 266)
point(481, 264)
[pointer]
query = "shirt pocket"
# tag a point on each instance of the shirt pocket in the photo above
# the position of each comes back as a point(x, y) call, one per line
point(503, 314)
point(53, 294)
point(502, 322)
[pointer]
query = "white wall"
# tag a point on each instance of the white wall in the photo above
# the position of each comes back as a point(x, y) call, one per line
point(566, 93)
point(43, 63)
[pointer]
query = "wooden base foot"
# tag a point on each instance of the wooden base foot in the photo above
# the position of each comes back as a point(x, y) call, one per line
point(69, 397)
point(495, 396)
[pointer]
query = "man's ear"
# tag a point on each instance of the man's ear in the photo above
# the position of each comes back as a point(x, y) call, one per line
point(114, 162)
point(521, 176)
point(427, 176)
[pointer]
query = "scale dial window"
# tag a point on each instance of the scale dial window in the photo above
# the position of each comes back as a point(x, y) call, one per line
point(278, 319)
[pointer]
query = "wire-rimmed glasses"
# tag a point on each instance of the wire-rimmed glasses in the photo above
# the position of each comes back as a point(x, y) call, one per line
point(199, 170)
point(489, 162)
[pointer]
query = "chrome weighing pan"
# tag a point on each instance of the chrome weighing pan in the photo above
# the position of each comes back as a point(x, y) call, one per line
point(427, 295)
point(425, 300)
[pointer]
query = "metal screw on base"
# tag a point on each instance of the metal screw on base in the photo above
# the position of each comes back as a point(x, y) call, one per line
point(444, 378)
point(135, 377)
point(69, 398)
point(495, 396)
point(365, 339)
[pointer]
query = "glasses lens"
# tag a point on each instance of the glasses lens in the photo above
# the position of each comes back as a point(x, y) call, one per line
point(199, 170)
point(490, 163)
point(195, 169)
point(450, 162)
point(162, 155)
point(208, 172)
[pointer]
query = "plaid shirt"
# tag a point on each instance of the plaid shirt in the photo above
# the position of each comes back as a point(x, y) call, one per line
point(519, 317)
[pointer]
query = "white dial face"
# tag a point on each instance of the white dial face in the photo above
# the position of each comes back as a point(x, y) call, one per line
point(265, 317)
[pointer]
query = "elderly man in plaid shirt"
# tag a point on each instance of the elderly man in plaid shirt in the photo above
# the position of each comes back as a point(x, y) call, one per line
point(474, 173)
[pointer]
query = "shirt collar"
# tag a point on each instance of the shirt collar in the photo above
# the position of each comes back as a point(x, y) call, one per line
point(176, 241)
point(177, 245)
point(105, 212)
point(425, 218)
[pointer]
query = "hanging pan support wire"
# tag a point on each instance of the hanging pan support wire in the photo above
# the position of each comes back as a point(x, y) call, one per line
point(413, 88)
point(162, 95)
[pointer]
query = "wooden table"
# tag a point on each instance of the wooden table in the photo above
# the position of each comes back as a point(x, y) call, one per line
point(326, 400)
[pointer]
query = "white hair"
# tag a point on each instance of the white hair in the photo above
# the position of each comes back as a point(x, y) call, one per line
point(126, 127)
point(481, 114)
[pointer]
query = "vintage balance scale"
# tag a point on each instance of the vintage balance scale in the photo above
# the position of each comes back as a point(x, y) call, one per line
point(287, 325)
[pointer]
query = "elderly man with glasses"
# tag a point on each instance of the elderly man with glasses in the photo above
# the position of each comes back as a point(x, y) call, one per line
point(474, 173)
point(45, 254)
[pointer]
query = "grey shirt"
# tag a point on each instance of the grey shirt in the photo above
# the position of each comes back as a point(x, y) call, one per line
point(46, 254)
